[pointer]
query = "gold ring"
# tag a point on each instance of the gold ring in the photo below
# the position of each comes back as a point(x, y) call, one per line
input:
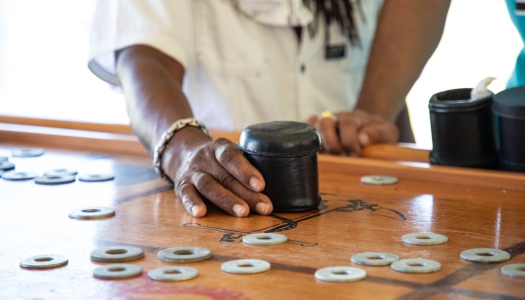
point(327, 114)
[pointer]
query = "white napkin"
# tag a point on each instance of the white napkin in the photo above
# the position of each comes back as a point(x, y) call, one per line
point(481, 90)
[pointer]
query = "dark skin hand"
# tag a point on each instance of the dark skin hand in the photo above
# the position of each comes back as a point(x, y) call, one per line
point(407, 34)
point(201, 169)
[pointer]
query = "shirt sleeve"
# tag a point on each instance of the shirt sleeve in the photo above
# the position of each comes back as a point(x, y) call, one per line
point(165, 25)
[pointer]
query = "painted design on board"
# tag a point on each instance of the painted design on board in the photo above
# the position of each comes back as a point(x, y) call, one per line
point(235, 236)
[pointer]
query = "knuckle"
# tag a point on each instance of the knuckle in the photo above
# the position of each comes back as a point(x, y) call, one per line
point(204, 183)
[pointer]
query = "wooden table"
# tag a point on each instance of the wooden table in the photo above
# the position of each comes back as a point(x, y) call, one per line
point(474, 208)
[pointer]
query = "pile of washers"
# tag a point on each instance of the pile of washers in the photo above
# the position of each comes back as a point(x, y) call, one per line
point(51, 177)
point(187, 254)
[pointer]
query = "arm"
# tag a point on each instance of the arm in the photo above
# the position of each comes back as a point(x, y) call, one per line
point(407, 34)
point(217, 170)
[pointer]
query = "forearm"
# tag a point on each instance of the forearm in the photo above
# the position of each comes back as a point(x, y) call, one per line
point(152, 85)
point(408, 32)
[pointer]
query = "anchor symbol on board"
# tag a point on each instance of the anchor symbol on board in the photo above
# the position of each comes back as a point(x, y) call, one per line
point(235, 236)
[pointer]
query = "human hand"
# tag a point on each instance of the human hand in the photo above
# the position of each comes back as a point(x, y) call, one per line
point(348, 132)
point(218, 171)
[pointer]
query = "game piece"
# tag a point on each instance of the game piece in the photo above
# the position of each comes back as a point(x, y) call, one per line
point(184, 254)
point(95, 177)
point(27, 152)
point(485, 255)
point(117, 271)
point(264, 239)
point(424, 238)
point(18, 176)
point(55, 179)
point(173, 273)
point(340, 274)
point(514, 270)
point(416, 265)
point(6, 166)
point(374, 258)
point(95, 212)
point(60, 172)
point(379, 180)
point(245, 266)
point(43, 261)
point(117, 254)
point(3, 158)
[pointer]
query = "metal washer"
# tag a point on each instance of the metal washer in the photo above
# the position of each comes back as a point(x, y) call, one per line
point(424, 238)
point(379, 180)
point(95, 212)
point(184, 254)
point(416, 265)
point(3, 158)
point(264, 239)
point(28, 152)
point(95, 177)
point(340, 274)
point(173, 273)
point(6, 166)
point(117, 254)
point(55, 179)
point(245, 266)
point(44, 261)
point(117, 271)
point(60, 172)
point(485, 255)
point(514, 270)
point(374, 258)
point(18, 176)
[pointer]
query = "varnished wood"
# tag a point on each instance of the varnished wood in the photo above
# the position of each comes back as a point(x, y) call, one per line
point(473, 208)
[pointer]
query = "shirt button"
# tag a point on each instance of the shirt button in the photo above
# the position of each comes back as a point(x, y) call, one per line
point(303, 68)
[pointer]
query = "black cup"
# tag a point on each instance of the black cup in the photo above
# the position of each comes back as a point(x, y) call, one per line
point(509, 108)
point(286, 155)
point(462, 130)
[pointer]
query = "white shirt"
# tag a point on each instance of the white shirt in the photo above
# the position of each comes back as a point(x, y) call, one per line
point(237, 71)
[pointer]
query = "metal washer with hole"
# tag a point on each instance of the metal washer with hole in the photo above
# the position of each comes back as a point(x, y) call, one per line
point(485, 255)
point(3, 158)
point(416, 265)
point(379, 180)
point(95, 177)
point(6, 166)
point(514, 270)
point(424, 238)
point(55, 179)
point(18, 176)
point(27, 152)
point(117, 271)
point(245, 266)
point(340, 274)
point(264, 239)
point(44, 261)
point(95, 212)
point(173, 273)
point(184, 254)
point(374, 258)
point(60, 172)
point(117, 254)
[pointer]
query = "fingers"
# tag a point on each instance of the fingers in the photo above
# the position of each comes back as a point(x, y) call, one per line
point(327, 128)
point(231, 159)
point(191, 200)
point(349, 126)
point(383, 132)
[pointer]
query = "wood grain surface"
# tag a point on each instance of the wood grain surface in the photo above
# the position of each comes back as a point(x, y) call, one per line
point(473, 208)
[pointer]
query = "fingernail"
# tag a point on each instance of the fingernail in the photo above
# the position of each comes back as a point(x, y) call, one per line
point(195, 210)
point(256, 184)
point(239, 210)
point(262, 208)
point(364, 139)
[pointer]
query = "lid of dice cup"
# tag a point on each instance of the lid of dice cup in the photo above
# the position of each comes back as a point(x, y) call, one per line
point(457, 100)
point(280, 139)
point(510, 103)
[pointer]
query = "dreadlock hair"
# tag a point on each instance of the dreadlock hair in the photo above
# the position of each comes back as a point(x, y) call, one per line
point(339, 11)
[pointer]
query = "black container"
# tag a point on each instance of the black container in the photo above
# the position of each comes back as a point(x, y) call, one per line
point(286, 155)
point(462, 130)
point(509, 108)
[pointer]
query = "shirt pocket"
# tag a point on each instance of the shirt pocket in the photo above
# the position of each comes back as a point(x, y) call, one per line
point(227, 42)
